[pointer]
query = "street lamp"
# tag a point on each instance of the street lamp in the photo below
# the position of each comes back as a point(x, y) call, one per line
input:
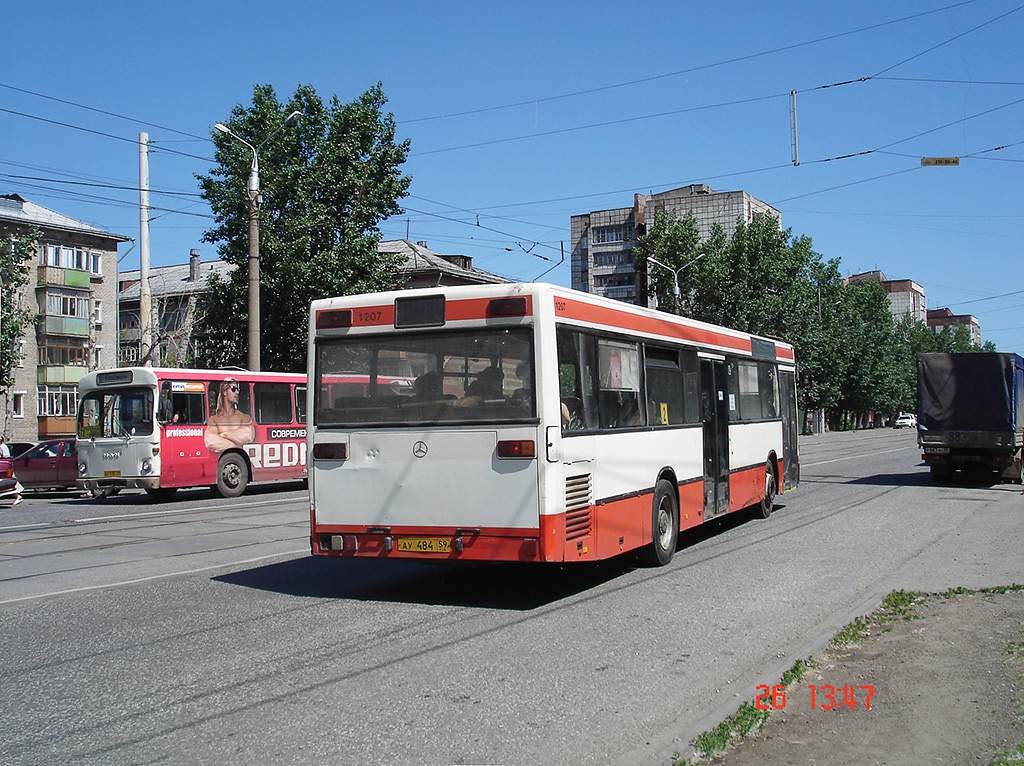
point(254, 235)
point(675, 274)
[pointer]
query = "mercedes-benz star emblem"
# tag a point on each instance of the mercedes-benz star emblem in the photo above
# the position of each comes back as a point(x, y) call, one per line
point(419, 449)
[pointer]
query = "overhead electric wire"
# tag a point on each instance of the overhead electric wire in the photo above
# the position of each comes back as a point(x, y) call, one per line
point(946, 42)
point(601, 124)
point(689, 70)
point(103, 111)
point(100, 186)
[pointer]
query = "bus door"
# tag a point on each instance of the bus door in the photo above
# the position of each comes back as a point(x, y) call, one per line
point(790, 423)
point(715, 419)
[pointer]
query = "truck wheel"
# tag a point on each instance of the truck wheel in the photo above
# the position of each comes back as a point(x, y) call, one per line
point(941, 474)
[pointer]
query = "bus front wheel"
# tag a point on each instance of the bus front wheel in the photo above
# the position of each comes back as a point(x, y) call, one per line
point(232, 475)
point(664, 526)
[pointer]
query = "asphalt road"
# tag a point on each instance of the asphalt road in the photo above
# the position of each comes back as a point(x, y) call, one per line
point(200, 631)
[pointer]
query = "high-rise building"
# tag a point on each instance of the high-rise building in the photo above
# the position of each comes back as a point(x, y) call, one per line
point(603, 240)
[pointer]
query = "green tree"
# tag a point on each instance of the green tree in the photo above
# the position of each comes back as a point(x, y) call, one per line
point(326, 184)
point(17, 249)
point(761, 280)
point(876, 381)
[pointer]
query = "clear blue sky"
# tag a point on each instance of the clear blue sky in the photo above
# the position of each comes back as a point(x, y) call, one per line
point(586, 103)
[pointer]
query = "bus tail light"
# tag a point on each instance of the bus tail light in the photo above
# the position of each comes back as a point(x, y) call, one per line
point(517, 448)
point(330, 451)
point(333, 319)
point(507, 307)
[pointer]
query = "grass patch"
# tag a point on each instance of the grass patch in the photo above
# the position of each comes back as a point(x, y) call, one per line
point(743, 722)
point(1003, 588)
point(959, 591)
point(1012, 757)
point(796, 673)
point(899, 605)
point(853, 633)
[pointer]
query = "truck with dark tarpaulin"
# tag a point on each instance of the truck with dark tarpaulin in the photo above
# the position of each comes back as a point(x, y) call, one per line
point(970, 414)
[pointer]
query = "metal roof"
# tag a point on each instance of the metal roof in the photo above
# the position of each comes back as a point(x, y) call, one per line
point(17, 209)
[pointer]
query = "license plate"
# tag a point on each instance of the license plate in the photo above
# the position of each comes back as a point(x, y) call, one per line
point(425, 544)
point(111, 473)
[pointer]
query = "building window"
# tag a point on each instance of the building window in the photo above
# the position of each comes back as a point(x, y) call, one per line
point(57, 400)
point(97, 313)
point(96, 262)
point(604, 234)
point(614, 280)
point(18, 404)
point(63, 352)
point(613, 259)
point(67, 303)
point(172, 318)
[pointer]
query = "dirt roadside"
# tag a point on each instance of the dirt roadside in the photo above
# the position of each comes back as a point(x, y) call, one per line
point(947, 687)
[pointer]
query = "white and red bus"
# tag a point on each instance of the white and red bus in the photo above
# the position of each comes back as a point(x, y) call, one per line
point(543, 424)
point(163, 429)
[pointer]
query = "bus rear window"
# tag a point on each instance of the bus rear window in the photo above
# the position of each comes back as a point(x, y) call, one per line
point(426, 378)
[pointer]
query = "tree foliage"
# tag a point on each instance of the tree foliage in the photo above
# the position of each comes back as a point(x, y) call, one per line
point(853, 359)
point(326, 184)
point(17, 249)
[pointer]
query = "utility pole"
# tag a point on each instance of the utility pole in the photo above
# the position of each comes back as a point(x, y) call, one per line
point(145, 296)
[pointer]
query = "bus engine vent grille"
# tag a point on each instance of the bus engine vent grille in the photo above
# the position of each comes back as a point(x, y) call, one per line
point(577, 506)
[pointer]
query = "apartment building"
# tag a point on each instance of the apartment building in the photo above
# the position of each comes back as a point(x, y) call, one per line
point(905, 295)
point(73, 289)
point(603, 240)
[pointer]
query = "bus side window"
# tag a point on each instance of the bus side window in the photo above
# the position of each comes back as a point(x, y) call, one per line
point(691, 388)
point(273, 403)
point(300, 404)
point(165, 409)
point(576, 380)
point(619, 369)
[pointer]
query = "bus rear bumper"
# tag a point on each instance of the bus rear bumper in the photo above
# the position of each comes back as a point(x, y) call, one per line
point(453, 545)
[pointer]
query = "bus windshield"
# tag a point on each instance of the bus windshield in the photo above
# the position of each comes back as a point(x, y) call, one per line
point(426, 378)
point(116, 413)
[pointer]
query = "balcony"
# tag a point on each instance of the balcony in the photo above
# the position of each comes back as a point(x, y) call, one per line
point(74, 326)
point(52, 426)
point(57, 374)
point(54, 275)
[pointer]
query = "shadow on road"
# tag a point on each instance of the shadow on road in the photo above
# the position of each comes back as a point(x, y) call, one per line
point(493, 586)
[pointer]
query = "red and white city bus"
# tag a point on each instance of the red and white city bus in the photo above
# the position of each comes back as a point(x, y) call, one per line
point(542, 424)
point(163, 429)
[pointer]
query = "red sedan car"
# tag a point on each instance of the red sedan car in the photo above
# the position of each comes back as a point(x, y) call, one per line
point(51, 464)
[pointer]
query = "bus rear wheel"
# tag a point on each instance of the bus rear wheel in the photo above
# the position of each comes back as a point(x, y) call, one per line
point(232, 475)
point(767, 504)
point(664, 526)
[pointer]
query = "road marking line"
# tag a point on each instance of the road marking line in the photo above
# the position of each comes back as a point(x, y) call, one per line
point(136, 581)
point(172, 512)
point(855, 457)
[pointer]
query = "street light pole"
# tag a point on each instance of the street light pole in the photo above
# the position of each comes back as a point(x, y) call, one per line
point(253, 189)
